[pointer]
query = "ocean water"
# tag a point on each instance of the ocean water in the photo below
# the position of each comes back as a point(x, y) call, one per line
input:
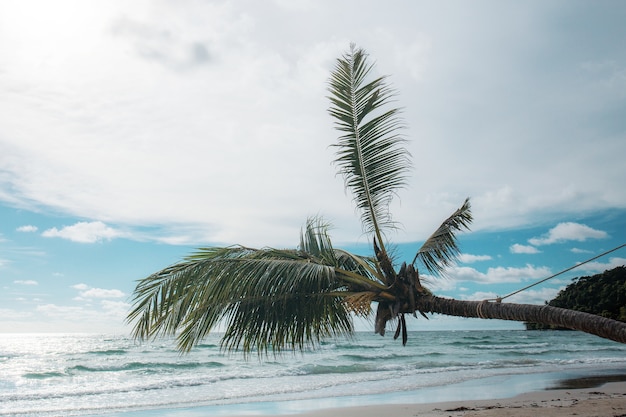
point(90, 374)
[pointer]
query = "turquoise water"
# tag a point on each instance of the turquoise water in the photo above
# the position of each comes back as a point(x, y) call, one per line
point(73, 375)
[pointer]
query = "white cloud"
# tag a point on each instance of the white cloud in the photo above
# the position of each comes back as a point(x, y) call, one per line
point(87, 292)
point(578, 250)
point(67, 312)
point(117, 308)
point(218, 126)
point(106, 316)
point(465, 273)
point(467, 258)
point(27, 229)
point(530, 296)
point(526, 249)
point(26, 282)
point(438, 284)
point(85, 318)
point(498, 275)
point(80, 287)
point(10, 314)
point(479, 296)
point(84, 232)
point(568, 231)
point(534, 296)
point(102, 293)
point(598, 267)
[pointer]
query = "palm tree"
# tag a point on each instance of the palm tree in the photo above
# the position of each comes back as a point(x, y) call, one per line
point(273, 299)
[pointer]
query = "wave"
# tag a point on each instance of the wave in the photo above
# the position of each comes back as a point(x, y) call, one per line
point(143, 367)
point(108, 352)
point(335, 369)
point(43, 375)
point(384, 356)
point(147, 367)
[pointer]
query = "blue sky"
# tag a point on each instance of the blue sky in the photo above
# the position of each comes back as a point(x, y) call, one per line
point(132, 132)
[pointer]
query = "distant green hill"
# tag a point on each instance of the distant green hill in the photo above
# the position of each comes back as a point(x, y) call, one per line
point(603, 294)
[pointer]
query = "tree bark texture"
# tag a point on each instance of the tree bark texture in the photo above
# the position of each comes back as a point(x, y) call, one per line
point(571, 319)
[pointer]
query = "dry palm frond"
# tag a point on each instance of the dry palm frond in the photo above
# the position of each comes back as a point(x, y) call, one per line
point(360, 303)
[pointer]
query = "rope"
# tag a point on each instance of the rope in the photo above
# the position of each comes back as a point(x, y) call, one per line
point(499, 299)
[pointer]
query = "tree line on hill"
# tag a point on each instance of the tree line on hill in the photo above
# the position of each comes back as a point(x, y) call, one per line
point(602, 294)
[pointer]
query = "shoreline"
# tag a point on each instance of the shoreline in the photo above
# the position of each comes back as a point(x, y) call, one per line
point(492, 395)
point(607, 400)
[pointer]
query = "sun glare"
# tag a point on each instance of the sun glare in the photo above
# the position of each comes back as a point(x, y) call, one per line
point(46, 35)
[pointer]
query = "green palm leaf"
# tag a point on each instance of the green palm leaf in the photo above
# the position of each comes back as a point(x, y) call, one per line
point(441, 249)
point(315, 241)
point(265, 299)
point(370, 155)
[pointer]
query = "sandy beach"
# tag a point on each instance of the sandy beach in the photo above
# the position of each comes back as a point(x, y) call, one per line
point(596, 395)
point(607, 400)
point(586, 396)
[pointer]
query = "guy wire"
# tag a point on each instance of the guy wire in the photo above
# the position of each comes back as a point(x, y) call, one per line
point(499, 299)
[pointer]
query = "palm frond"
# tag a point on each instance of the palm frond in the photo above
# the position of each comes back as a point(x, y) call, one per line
point(360, 303)
point(370, 153)
point(441, 249)
point(267, 299)
point(315, 241)
point(359, 272)
point(264, 299)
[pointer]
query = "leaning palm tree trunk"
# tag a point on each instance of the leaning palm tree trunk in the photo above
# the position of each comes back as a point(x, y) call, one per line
point(544, 314)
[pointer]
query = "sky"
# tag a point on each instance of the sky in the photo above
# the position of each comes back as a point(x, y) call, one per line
point(133, 132)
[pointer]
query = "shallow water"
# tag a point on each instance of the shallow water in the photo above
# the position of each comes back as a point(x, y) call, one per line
point(69, 374)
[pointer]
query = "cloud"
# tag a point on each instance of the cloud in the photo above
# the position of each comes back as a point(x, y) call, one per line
point(105, 315)
point(437, 284)
point(102, 293)
point(598, 267)
point(578, 250)
point(539, 296)
point(27, 229)
point(498, 275)
point(568, 231)
point(26, 282)
point(94, 308)
point(156, 42)
point(84, 232)
point(526, 249)
point(116, 308)
point(87, 315)
point(479, 296)
point(10, 314)
point(467, 258)
point(81, 287)
point(218, 125)
point(67, 312)
point(87, 292)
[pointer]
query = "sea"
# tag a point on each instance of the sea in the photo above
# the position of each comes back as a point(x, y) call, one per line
point(107, 375)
